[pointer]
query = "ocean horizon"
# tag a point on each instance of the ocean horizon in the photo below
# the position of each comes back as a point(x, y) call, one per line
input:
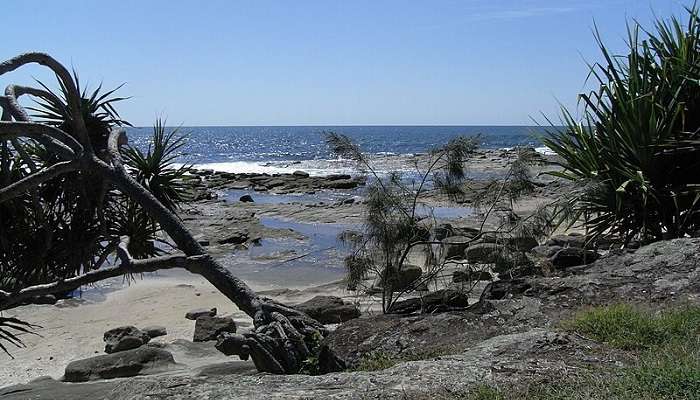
point(284, 149)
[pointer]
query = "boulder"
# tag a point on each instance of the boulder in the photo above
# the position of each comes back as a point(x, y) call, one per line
point(445, 230)
point(442, 231)
point(208, 328)
point(405, 277)
point(437, 301)
point(246, 198)
point(483, 253)
point(570, 240)
point(545, 250)
point(300, 174)
point(143, 360)
point(155, 331)
point(342, 184)
point(328, 309)
point(573, 256)
point(517, 243)
point(275, 183)
point(236, 237)
point(469, 275)
point(124, 338)
point(454, 246)
point(200, 312)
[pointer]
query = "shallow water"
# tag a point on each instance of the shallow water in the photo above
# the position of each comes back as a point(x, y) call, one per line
point(289, 262)
point(233, 195)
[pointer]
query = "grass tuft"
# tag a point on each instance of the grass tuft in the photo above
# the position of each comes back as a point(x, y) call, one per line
point(625, 327)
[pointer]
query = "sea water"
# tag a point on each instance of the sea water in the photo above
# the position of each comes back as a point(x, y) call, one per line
point(284, 149)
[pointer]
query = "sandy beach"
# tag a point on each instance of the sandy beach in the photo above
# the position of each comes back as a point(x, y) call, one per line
point(291, 255)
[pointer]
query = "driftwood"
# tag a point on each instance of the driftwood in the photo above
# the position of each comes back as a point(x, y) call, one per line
point(282, 339)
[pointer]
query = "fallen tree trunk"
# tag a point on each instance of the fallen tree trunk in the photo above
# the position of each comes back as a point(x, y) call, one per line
point(282, 339)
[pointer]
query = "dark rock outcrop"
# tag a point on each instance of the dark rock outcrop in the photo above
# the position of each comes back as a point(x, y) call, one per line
point(483, 253)
point(208, 328)
point(468, 275)
point(328, 309)
point(454, 246)
point(124, 338)
point(200, 312)
point(438, 301)
point(155, 331)
point(573, 256)
point(118, 365)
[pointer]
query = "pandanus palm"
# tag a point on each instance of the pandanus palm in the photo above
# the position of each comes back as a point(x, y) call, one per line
point(637, 150)
point(283, 338)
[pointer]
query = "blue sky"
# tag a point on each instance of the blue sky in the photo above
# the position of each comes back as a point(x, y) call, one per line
point(469, 62)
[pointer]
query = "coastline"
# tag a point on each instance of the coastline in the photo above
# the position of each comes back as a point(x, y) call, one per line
point(255, 240)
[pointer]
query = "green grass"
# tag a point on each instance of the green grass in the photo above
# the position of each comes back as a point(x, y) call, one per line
point(625, 327)
point(377, 361)
point(667, 366)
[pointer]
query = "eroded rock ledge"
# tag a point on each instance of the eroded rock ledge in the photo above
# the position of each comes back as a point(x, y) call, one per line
point(511, 335)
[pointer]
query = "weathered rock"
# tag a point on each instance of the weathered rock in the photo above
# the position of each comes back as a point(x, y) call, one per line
point(570, 240)
point(438, 301)
point(155, 331)
point(275, 183)
point(208, 328)
point(342, 184)
point(483, 253)
point(236, 237)
point(454, 246)
point(545, 250)
point(445, 230)
point(506, 262)
point(573, 256)
point(200, 312)
point(514, 243)
point(328, 309)
point(246, 198)
point(118, 365)
point(405, 277)
point(468, 275)
point(124, 338)
point(505, 288)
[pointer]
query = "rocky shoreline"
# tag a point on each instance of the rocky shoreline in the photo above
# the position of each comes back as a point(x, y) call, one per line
point(509, 334)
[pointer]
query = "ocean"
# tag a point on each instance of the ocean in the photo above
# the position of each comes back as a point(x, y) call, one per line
point(283, 149)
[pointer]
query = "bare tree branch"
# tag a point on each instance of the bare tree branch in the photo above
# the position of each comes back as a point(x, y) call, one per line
point(55, 139)
point(73, 97)
point(33, 180)
point(192, 264)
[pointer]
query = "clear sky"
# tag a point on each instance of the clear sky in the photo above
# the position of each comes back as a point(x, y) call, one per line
point(344, 62)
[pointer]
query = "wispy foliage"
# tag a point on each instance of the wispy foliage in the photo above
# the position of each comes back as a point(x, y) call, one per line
point(394, 222)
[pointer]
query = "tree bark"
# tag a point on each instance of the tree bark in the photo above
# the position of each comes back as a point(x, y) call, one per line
point(283, 338)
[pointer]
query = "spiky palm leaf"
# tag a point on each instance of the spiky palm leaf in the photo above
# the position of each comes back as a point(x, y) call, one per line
point(155, 169)
point(638, 140)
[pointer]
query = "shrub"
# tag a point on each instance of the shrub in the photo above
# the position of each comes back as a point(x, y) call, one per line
point(635, 154)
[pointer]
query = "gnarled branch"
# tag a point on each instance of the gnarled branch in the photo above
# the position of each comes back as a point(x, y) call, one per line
point(191, 264)
point(54, 139)
point(35, 179)
point(72, 95)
